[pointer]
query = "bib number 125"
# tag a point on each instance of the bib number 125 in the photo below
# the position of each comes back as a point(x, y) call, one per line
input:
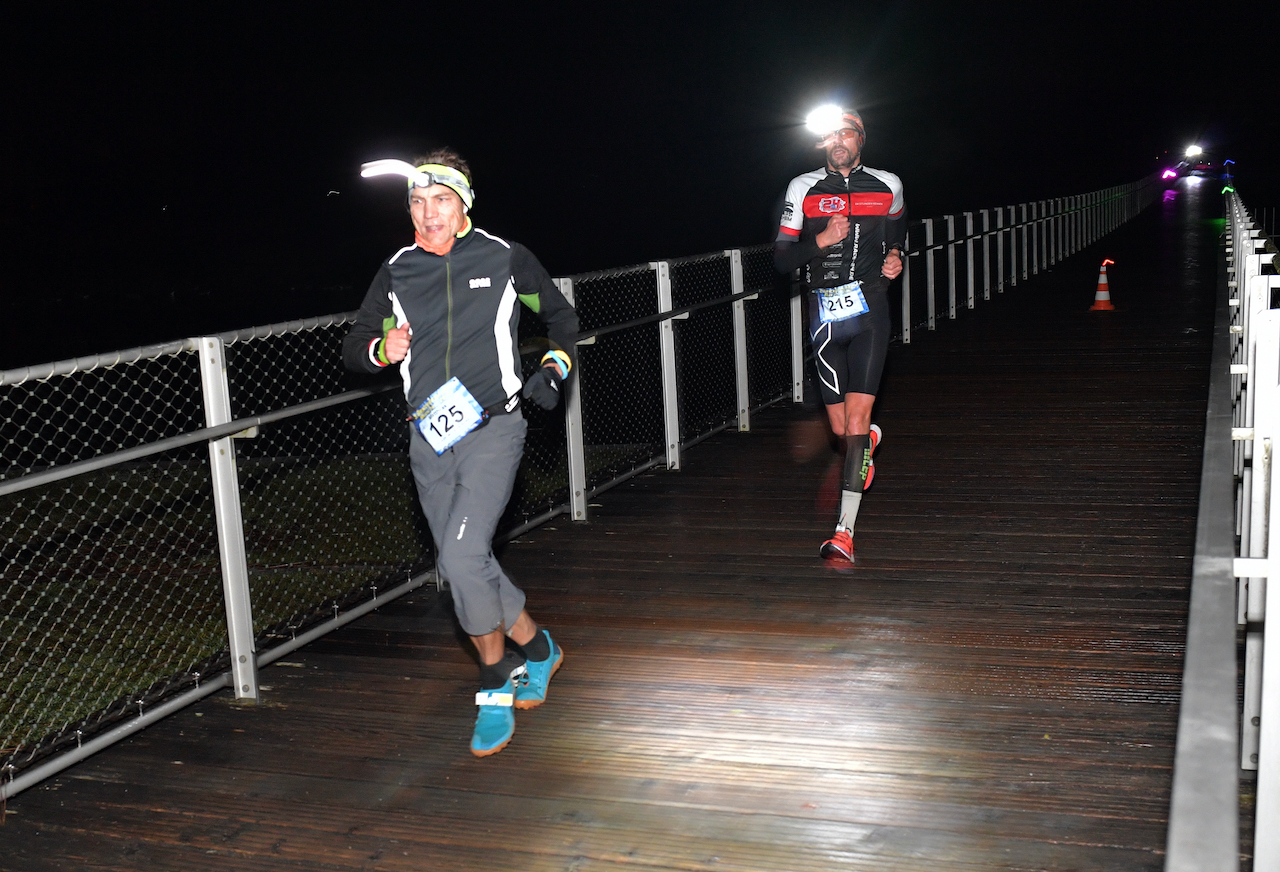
point(448, 415)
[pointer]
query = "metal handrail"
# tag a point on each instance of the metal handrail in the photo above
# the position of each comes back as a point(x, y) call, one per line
point(1203, 833)
point(204, 434)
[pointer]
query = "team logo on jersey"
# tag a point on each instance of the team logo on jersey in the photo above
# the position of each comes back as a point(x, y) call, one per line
point(870, 204)
point(787, 211)
point(828, 205)
point(484, 282)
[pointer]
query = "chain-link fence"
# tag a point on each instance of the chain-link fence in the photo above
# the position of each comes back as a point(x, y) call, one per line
point(620, 372)
point(131, 551)
point(704, 347)
point(113, 594)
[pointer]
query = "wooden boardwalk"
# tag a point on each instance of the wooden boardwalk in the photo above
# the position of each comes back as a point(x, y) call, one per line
point(993, 687)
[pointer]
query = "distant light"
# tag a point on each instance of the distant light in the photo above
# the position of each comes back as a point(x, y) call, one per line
point(1227, 189)
point(1228, 161)
point(825, 119)
point(1169, 174)
point(1194, 151)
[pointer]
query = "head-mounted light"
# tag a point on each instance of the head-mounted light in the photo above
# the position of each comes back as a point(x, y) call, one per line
point(825, 120)
point(422, 177)
point(830, 120)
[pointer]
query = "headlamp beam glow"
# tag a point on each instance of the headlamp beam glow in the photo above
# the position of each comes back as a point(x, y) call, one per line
point(394, 167)
point(825, 119)
point(417, 178)
point(1194, 151)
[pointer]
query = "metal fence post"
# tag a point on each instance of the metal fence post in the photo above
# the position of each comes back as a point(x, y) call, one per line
point(1046, 222)
point(968, 255)
point(1037, 222)
point(951, 266)
point(797, 344)
point(906, 292)
point(667, 350)
point(575, 443)
point(1055, 208)
point(931, 304)
point(1023, 225)
point(986, 254)
point(1046, 232)
point(1000, 250)
point(1069, 227)
point(738, 286)
point(226, 506)
point(1266, 848)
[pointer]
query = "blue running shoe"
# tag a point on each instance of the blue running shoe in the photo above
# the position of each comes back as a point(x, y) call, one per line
point(532, 691)
point(496, 722)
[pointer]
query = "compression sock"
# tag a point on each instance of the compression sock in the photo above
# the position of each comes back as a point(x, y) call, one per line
point(857, 460)
point(536, 648)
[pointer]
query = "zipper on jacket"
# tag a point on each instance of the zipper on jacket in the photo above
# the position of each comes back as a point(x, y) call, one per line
point(448, 290)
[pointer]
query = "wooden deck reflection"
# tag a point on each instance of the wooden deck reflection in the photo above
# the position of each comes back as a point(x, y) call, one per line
point(994, 686)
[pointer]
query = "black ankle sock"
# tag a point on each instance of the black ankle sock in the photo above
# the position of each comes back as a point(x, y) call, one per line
point(537, 647)
point(493, 677)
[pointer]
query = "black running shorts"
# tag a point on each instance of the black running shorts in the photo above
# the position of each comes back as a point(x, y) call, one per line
point(849, 354)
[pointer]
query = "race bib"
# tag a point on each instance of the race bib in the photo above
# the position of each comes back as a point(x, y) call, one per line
point(841, 303)
point(448, 415)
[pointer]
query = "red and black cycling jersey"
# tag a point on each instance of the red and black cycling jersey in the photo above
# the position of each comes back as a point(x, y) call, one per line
point(873, 201)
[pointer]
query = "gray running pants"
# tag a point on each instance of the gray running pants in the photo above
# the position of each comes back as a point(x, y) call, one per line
point(463, 493)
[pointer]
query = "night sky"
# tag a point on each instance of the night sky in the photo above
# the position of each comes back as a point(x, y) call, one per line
point(167, 169)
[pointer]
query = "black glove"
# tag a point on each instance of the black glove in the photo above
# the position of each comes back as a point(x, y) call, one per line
point(543, 387)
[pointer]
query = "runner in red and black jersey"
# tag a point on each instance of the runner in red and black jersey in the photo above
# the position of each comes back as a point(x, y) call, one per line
point(845, 226)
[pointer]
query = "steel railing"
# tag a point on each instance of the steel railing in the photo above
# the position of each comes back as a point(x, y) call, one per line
point(1218, 737)
point(177, 515)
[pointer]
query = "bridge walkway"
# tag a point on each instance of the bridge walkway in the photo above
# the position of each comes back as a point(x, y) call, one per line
point(993, 686)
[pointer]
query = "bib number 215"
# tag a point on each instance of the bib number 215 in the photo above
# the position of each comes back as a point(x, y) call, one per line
point(841, 303)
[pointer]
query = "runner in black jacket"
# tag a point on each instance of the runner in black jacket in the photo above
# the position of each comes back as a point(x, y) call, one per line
point(445, 309)
point(845, 225)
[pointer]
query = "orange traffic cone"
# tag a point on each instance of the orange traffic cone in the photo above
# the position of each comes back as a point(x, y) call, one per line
point(1102, 299)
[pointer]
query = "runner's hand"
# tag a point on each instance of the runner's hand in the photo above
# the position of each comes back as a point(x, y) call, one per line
point(837, 229)
point(543, 387)
point(892, 265)
point(396, 343)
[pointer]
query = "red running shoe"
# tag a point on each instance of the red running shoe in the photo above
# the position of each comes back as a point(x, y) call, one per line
point(876, 438)
point(838, 547)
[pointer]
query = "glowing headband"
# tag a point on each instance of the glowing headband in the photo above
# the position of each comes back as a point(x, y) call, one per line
point(423, 177)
